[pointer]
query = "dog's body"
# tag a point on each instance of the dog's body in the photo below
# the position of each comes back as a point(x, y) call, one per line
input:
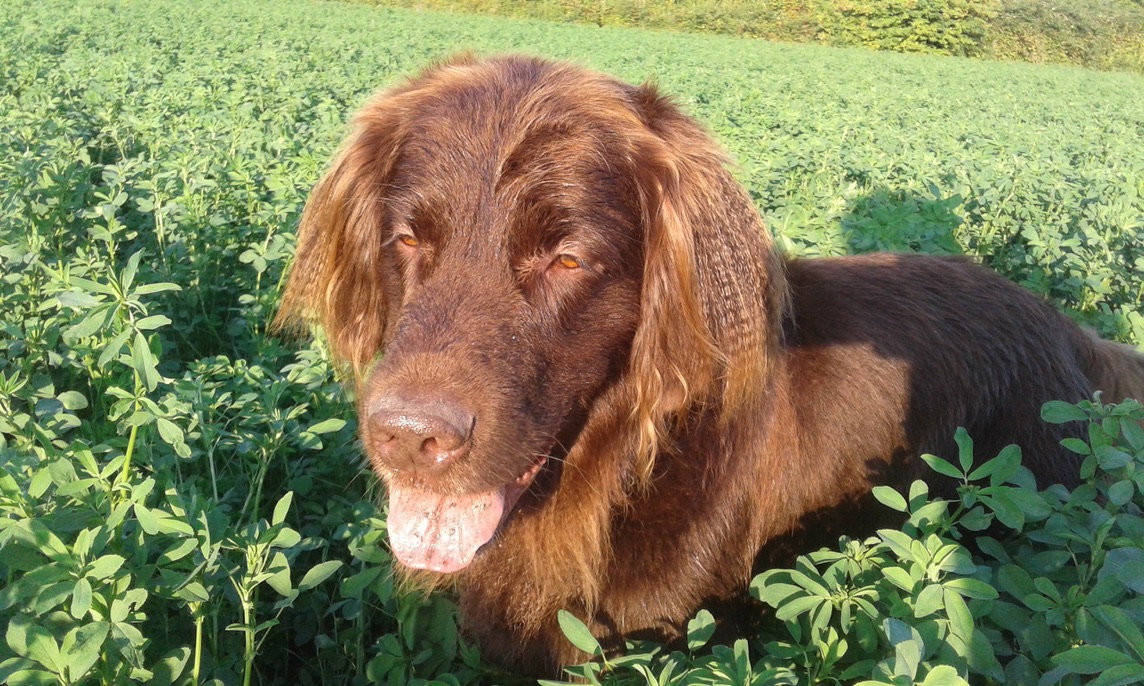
point(603, 390)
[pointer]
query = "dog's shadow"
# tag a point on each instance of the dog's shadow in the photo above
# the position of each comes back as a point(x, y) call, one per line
point(902, 221)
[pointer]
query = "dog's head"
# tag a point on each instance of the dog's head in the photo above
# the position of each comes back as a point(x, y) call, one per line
point(518, 237)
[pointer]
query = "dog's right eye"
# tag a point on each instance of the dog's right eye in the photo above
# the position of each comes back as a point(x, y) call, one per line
point(409, 240)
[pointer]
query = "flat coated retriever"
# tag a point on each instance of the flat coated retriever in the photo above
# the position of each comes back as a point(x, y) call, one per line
point(602, 387)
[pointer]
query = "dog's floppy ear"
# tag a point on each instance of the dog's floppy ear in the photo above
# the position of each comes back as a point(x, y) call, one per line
point(339, 271)
point(714, 288)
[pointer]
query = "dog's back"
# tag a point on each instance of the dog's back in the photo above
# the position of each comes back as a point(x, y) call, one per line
point(919, 345)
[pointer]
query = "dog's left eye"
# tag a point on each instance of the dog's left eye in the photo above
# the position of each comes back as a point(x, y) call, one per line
point(567, 261)
point(409, 240)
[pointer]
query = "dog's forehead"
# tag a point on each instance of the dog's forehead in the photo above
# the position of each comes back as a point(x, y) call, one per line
point(527, 156)
point(481, 120)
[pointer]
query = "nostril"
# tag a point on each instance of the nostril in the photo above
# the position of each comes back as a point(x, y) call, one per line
point(419, 435)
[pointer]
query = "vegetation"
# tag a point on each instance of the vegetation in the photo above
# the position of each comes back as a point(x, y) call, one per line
point(1101, 34)
point(181, 494)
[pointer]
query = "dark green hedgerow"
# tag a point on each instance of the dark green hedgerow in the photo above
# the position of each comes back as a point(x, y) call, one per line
point(1099, 34)
point(181, 494)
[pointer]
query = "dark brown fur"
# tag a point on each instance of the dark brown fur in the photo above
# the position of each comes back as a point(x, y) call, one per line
point(701, 399)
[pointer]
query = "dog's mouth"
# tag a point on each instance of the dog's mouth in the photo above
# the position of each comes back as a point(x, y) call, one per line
point(443, 533)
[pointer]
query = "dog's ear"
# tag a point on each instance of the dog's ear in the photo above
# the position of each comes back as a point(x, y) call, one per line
point(339, 271)
point(714, 288)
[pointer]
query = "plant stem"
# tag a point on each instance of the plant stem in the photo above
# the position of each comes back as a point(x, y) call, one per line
point(198, 648)
point(248, 658)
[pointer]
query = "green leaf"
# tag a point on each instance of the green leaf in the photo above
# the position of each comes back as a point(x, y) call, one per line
point(81, 598)
point(899, 542)
point(353, 586)
point(318, 573)
point(1134, 434)
point(1004, 508)
point(72, 400)
point(928, 601)
point(43, 649)
point(943, 467)
point(146, 518)
point(82, 647)
point(77, 300)
point(964, 448)
point(1058, 412)
point(149, 288)
point(153, 322)
point(17, 635)
point(1110, 458)
point(281, 508)
point(1021, 670)
point(1121, 492)
point(127, 276)
point(105, 566)
point(944, 675)
point(194, 592)
point(1120, 675)
point(93, 286)
point(1077, 446)
point(170, 525)
point(890, 498)
point(1123, 626)
point(794, 607)
point(1000, 468)
point(144, 363)
point(112, 349)
point(286, 538)
point(88, 326)
point(38, 484)
point(976, 519)
point(1127, 563)
point(971, 588)
point(1015, 581)
point(170, 667)
point(279, 578)
point(1031, 503)
point(327, 426)
point(700, 630)
point(900, 578)
point(26, 676)
point(960, 618)
point(1091, 659)
point(578, 634)
point(981, 658)
point(169, 431)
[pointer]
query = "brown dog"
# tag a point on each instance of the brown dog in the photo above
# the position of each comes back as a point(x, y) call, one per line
point(603, 389)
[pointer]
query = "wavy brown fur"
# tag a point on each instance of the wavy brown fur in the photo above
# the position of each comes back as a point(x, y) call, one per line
point(705, 406)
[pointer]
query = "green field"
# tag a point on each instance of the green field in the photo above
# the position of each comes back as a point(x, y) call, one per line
point(181, 493)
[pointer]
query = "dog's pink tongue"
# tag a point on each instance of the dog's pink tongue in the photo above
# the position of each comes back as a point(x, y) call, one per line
point(438, 532)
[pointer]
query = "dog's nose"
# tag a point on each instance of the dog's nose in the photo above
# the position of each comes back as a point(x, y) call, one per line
point(419, 436)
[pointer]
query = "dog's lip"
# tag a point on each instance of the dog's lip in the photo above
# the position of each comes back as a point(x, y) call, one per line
point(517, 487)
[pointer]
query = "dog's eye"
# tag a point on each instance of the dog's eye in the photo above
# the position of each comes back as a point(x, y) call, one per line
point(409, 240)
point(567, 261)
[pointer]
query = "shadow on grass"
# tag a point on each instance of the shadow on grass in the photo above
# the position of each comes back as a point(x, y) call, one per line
point(902, 221)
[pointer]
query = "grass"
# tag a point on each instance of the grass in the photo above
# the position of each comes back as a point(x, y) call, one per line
point(182, 495)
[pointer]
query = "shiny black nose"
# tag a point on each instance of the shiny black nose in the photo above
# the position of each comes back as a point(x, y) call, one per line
point(423, 435)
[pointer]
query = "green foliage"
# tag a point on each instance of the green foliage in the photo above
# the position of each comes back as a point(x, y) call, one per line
point(1104, 34)
point(946, 27)
point(1054, 602)
point(181, 494)
point(1100, 34)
